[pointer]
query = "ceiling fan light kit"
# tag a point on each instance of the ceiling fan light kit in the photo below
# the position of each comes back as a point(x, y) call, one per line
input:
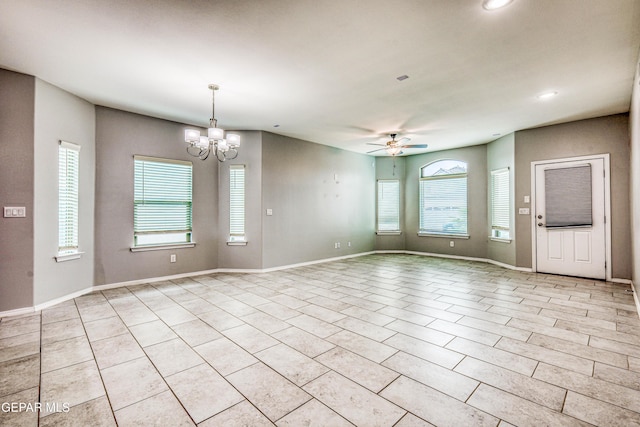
point(495, 4)
point(201, 146)
point(395, 148)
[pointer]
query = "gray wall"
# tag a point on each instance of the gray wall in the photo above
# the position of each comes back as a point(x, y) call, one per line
point(60, 115)
point(312, 210)
point(385, 170)
point(476, 245)
point(634, 194)
point(319, 195)
point(17, 94)
point(594, 136)
point(501, 154)
point(119, 136)
point(249, 256)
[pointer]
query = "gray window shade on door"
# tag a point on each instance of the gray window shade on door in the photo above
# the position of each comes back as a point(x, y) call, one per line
point(568, 196)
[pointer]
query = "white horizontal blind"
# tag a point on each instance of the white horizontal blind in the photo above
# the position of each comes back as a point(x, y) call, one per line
point(236, 201)
point(162, 211)
point(568, 196)
point(388, 205)
point(500, 211)
point(443, 198)
point(68, 182)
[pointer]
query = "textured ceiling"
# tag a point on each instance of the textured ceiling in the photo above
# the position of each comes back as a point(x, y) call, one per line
point(325, 70)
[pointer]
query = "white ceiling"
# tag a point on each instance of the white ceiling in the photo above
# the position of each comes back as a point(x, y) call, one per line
point(325, 70)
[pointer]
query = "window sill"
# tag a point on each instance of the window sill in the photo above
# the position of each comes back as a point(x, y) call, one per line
point(162, 247)
point(388, 233)
point(68, 256)
point(447, 236)
point(237, 243)
point(498, 239)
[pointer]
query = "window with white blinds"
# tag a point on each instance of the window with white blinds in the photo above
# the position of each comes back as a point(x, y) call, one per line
point(236, 203)
point(68, 182)
point(500, 210)
point(443, 198)
point(162, 201)
point(388, 206)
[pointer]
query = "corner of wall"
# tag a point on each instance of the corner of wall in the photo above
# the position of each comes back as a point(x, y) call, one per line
point(501, 154)
point(634, 130)
point(60, 115)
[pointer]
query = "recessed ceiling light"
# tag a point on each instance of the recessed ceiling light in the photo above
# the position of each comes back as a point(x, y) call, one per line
point(402, 77)
point(276, 126)
point(495, 4)
point(547, 95)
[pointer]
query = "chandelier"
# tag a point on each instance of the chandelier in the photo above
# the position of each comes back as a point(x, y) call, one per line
point(215, 141)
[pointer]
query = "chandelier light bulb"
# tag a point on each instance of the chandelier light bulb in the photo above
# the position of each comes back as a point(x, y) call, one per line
point(191, 135)
point(233, 139)
point(215, 133)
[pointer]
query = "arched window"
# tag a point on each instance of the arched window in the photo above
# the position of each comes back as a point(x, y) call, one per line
point(443, 198)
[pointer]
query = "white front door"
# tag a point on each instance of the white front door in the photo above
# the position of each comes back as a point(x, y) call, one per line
point(569, 218)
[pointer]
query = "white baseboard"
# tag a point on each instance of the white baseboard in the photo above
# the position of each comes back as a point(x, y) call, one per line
point(64, 298)
point(623, 281)
point(466, 258)
point(152, 279)
point(27, 310)
point(231, 270)
point(319, 261)
point(17, 312)
point(225, 270)
point(509, 266)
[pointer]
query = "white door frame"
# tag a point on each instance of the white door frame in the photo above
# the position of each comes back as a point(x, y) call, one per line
point(607, 206)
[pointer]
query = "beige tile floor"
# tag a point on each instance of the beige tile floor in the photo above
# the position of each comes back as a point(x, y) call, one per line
point(381, 340)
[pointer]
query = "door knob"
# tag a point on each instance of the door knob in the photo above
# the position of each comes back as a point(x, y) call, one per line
point(539, 216)
point(540, 224)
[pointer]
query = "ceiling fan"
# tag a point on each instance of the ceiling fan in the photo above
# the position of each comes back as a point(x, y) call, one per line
point(394, 147)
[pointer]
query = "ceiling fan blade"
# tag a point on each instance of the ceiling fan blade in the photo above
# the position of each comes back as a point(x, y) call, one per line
point(401, 140)
point(379, 149)
point(415, 146)
point(373, 143)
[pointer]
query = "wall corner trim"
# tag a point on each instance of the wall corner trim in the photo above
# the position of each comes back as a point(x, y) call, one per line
point(635, 298)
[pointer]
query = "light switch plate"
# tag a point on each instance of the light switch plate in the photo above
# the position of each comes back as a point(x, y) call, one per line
point(269, 212)
point(523, 211)
point(15, 212)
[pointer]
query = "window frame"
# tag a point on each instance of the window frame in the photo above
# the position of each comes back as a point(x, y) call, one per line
point(500, 231)
point(423, 182)
point(380, 185)
point(237, 205)
point(188, 241)
point(68, 201)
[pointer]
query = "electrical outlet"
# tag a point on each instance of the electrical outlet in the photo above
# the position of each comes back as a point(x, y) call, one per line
point(173, 257)
point(452, 244)
point(349, 244)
